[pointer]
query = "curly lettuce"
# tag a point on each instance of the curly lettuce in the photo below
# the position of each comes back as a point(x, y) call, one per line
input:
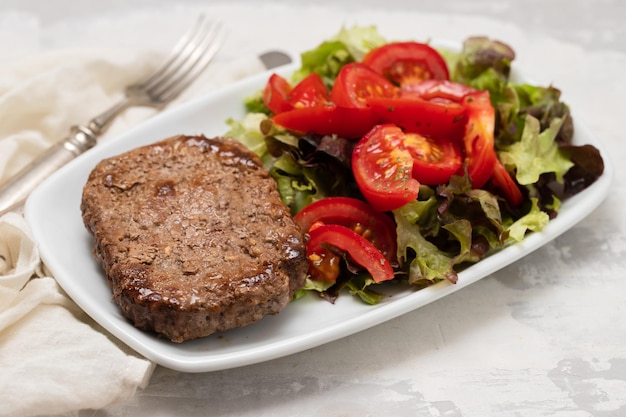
point(326, 59)
point(349, 45)
point(534, 128)
point(248, 132)
point(452, 225)
point(537, 153)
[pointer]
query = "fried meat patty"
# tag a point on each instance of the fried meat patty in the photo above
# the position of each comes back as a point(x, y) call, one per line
point(193, 236)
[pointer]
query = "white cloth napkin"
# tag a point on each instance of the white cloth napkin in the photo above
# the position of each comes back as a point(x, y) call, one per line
point(54, 359)
point(49, 351)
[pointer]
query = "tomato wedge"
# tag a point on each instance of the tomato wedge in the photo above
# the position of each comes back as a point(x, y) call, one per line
point(503, 182)
point(431, 108)
point(437, 90)
point(428, 118)
point(276, 94)
point(382, 168)
point(405, 63)
point(434, 161)
point(309, 92)
point(356, 82)
point(360, 250)
point(478, 139)
point(347, 122)
point(312, 111)
point(376, 227)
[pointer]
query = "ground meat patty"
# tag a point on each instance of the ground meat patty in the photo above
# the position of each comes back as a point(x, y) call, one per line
point(193, 236)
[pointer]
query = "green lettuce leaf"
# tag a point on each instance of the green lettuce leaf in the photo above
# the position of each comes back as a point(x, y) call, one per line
point(480, 54)
point(537, 153)
point(359, 40)
point(349, 45)
point(326, 60)
point(312, 285)
point(297, 190)
point(248, 132)
point(428, 264)
point(544, 103)
point(358, 285)
point(461, 229)
point(255, 104)
point(479, 207)
point(535, 220)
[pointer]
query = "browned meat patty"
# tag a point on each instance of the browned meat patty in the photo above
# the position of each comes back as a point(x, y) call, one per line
point(193, 236)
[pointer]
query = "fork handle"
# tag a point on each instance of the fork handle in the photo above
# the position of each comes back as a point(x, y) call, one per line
point(14, 192)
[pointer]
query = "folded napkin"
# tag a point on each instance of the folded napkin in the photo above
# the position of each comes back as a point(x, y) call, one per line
point(51, 357)
point(54, 358)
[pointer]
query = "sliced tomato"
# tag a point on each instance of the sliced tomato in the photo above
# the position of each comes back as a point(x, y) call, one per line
point(405, 63)
point(431, 108)
point(504, 183)
point(359, 249)
point(376, 227)
point(434, 161)
point(349, 123)
point(382, 168)
point(315, 110)
point(356, 82)
point(276, 94)
point(309, 92)
point(428, 118)
point(324, 266)
point(442, 90)
point(478, 139)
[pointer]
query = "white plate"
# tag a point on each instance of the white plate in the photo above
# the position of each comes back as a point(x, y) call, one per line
point(53, 212)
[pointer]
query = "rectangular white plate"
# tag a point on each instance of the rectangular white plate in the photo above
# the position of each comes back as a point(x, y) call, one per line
point(53, 212)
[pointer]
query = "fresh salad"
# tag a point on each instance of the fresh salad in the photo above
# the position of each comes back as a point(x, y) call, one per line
point(405, 163)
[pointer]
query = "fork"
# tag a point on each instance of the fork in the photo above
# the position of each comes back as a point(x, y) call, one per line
point(191, 54)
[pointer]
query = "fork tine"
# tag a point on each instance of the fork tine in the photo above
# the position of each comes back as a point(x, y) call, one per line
point(178, 55)
point(182, 43)
point(198, 55)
